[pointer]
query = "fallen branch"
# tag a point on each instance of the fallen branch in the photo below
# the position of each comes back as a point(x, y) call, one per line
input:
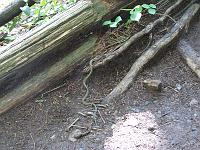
point(102, 60)
point(147, 56)
point(191, 57)
point(12, 10)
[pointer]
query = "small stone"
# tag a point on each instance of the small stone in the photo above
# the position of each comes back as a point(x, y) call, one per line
point(193, 102)
point(178, 86)
point(154, 85)
point(73, 137)
point(53, 137)
point(151, 129)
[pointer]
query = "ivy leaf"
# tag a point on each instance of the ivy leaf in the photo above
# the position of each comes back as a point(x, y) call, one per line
point(152, 6)
point(26, 9)
point(113, 24)
point(107, 23)
point(151, 11)
point(146, 6)
point(118, 19)
point(9, 38)
point(136, 16)
point(43, 3)
point(138, 8)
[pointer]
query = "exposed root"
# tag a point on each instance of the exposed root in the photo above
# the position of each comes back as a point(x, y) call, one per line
point(102, 60)
point(190, 56)
point(148, 55)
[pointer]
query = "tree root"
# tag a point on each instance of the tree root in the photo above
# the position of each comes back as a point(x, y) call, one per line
point(148, 55)
point(191, 57)
point(102, 60)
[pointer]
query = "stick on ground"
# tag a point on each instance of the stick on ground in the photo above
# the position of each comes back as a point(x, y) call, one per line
point(147, 56)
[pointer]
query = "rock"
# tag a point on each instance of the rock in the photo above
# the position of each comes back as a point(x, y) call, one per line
point(193, 102)
point(155, 85)
point(74, 136)
point(77, 134)
point(178, 86)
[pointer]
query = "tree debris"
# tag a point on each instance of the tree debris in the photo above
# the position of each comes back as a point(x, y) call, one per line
point(148, 55)
point(102, 60)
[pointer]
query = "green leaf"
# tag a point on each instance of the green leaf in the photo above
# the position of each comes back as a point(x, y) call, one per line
point(113, 24)
point(151, 11)
point(136, 16)
point(118, 19)
point(152, 6)
point(138, 8)
point(26, 10)
point(43, 3)
point(107, 23)
point(146, 6)
point(26, 1)
point(9, 38)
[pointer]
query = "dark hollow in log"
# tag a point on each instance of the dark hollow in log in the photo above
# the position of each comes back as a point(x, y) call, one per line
point(12, 10)
point(50, 75)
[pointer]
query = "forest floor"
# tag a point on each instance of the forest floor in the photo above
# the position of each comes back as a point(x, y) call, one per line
point(137, 120)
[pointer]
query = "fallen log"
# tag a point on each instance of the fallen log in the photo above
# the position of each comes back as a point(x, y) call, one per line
point(150, 54)
point(46, 78)
point(46, 37)
point(12, 10)
point(191, 57)
point(43, 41)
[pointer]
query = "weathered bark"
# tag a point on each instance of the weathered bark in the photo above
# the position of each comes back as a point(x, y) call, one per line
point(42, 42)
point(148, 55)
point(45, 38)
point(12, 10)
point(191, 57)
point(49, 76)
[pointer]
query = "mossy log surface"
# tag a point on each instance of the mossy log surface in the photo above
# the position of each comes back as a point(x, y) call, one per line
point(46, 37)
point(46, 78)
point(45, 41)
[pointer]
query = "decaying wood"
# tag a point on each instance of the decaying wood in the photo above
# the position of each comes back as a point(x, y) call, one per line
point(49, 76)
point(12, 10)
point(148, 55)
point(17, 60)
point(191, 57)
point(46, 37)
point(110, 56)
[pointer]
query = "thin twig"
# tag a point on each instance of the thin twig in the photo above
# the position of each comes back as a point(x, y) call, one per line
point(101, 117)
point(56, 88)
point(72, 124)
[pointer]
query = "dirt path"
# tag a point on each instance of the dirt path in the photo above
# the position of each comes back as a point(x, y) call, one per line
point(138, 120)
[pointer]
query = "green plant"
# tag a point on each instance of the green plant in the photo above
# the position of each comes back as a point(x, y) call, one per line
point(135, 14)
point(37, 14)
point(113, 24)
point(43, 10)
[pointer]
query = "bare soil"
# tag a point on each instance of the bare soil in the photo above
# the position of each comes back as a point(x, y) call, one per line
point(137, 120)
